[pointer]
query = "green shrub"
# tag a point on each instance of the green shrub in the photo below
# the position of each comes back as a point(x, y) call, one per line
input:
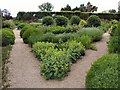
point(30, 32)
point(105, 25)
point(82, 23)
point(104, 73)
point(61, 20)
point(85, 40)
point(55, 65)
point(75, 50)
point(75, 20)
point(6, 37)
point(93, 21)
point(40, 48)
point(114, 44)
point(8, 24)
point(48, 20)
point(94, 33)
point(24, 28)
point(21, 25)
point(115, 30)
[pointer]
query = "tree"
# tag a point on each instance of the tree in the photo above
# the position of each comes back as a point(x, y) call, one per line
point(82, 8)
point(67, 8)
point(76, 9)
point(90, 7)
point(6, 14)
point(46, 7)
point(112, 11)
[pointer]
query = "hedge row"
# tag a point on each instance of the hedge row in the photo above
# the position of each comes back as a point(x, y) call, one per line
point(68, 14)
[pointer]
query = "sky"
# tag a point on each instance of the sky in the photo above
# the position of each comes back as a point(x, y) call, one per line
point(14, 6)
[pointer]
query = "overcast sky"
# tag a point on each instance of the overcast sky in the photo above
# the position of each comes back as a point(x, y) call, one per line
point(14, 6)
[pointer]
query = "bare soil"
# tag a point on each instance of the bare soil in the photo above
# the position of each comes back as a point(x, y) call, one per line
point(24, 68)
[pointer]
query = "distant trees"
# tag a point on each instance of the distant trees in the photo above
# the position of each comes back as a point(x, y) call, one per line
point(88, 8)
point(46, 7)
point(6, 14)
point(67, 8)
point(112, 11)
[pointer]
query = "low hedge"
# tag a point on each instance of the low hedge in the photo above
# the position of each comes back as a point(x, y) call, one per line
point(7, 37)
point(104, 73)
point(94, 33)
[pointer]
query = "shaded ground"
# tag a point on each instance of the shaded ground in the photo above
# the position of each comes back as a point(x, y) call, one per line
point(24, 70)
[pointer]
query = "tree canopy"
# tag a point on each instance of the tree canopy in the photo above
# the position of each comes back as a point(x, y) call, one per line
point(83, 8)
point(46, 7)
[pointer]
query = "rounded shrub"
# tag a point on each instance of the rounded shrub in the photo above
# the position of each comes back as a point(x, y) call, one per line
point(7, 37)
point(8, 24)
point(114, 44)
point(93, 21)
point(30, 32)
point(104, 73)
point(48, 20)
point(24, 29)
point(21, 25)
point(75, 20)
point(61, 20)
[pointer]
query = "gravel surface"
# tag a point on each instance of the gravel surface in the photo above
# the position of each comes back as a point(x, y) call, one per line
point(24, 70)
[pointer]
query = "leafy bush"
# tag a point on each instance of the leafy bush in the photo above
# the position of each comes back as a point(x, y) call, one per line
point(40, 48)
point(75, 20)
point(94, 33)
point(61, 20)
point(85, 40)
point(21, 25)
point(55, 64)
point(48, 37)
point(24, 28)
point(8, 24)
point(7, 37)
point(48, 20)
point(104, 73)
point(75, 50)
point(82, 23)
point(93, 21)
point(105, 25)
point(29, 32)
point(115, 30)
point(114, 44)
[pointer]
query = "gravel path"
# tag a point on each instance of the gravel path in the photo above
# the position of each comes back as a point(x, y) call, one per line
point(24, 71)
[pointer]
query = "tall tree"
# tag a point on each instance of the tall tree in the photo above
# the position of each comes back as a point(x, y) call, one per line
point(46, 7)
point(67, 8)
point(6, 14)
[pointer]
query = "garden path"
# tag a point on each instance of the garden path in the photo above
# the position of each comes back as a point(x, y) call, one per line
point(24, 71)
